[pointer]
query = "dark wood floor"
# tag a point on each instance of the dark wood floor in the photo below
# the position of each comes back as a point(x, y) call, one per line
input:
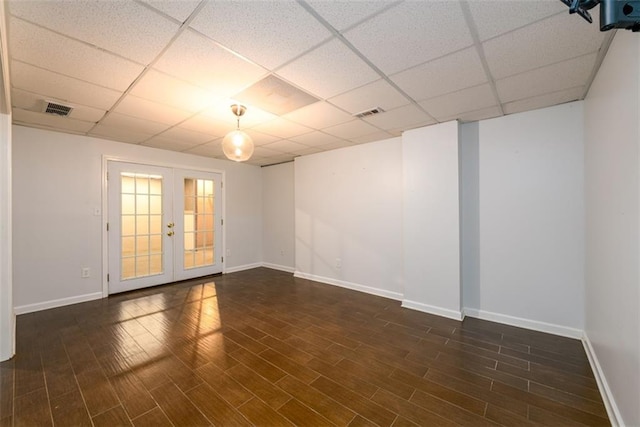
point(262, 348)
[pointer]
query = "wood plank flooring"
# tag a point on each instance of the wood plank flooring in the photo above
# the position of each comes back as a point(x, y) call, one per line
point(260, 347)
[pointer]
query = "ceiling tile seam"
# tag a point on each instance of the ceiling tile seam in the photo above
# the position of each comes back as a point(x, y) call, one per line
point(63, 75)
point(602, 52)
point(391, 5)
point(513, 30)
point(473, 29)
point(454, 92)
point(161, 13)
point(540, 95)
point(229, 50)
point(147, 68)
point(349, 45)
point(66, 36)
point(549, 65)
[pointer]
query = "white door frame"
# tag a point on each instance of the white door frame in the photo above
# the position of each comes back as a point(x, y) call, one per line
point(105, 238)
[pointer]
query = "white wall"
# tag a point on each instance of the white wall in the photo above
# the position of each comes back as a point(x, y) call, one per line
point(431, 220)
point(348, 217)
point(469, 213)
point(278, 216)
point(532, 220)
point(7, 317)
point(612, 151)
point(57, 184)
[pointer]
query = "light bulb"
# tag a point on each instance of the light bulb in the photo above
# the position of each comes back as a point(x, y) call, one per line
point(237, 146)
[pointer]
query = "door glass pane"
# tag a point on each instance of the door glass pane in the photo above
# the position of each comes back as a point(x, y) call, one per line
point(141, 232)
point(199, 220)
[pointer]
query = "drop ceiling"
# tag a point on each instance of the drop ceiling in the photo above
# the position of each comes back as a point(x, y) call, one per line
point(162, 73)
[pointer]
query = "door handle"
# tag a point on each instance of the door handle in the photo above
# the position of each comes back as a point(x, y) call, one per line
point(171, 233)
point(170, 225)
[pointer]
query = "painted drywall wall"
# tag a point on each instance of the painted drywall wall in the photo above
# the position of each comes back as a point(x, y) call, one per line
point(612, 148)
point(469, 213)
point(348, 215)
point(7, 317)
point(57, 186)
point(431, 223)
point(532, 219)
point(278, 217)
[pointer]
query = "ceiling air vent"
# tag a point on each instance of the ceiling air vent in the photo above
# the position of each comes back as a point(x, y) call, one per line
point(57, 109)
point(368, 113)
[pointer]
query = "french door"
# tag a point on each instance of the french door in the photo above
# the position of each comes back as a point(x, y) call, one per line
point(164, 224)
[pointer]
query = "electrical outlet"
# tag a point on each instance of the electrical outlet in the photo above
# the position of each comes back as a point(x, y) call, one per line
point(86, 272)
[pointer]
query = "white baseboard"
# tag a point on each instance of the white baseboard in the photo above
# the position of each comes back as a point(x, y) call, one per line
point(242, 267)
point(524, 323)
point(30, 308)
point(432, 309)
point(279, 267)
point(349, 285)
point(607, 397)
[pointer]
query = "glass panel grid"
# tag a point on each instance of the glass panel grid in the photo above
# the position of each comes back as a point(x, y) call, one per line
point(199, 219)
point(141, 225)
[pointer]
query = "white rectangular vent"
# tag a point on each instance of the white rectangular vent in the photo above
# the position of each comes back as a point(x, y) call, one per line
point(57, 109)
point(368, 113)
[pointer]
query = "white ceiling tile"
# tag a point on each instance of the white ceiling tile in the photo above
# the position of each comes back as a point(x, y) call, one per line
point(207, 124)
point(403, 117)
point(329, 70)
point(169, 143)
point(318, 115)
point(448, 74)
point(260, 138)
point(377, 94)
point(210, 149)
point(411, 33)
point(264, 152)
point(115, 120)
point(563, 75)
point(483, 114)
point(197, 60)
point(123, 27)
point(159, 87)
point(317, 138)
point(451, 104)
point(253, 29)
point(282, 128)
point(54, 85)
point(35, 102)
point(343, 14)
point(252, 116)
point(51, 51)
point(542, 101)
point(119, 134)
point(353, 129)
point(188, 136)
point(285, 146)
point(50, 121)
point(179, 10)
point(152, 111)
point(546, 42)
point(378, 136)
point(493, 18)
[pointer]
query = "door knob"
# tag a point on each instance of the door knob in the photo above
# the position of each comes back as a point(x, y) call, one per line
point(170, 225)
point(171, 233)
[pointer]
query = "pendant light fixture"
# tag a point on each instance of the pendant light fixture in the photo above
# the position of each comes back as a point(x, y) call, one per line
point(237, 145)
